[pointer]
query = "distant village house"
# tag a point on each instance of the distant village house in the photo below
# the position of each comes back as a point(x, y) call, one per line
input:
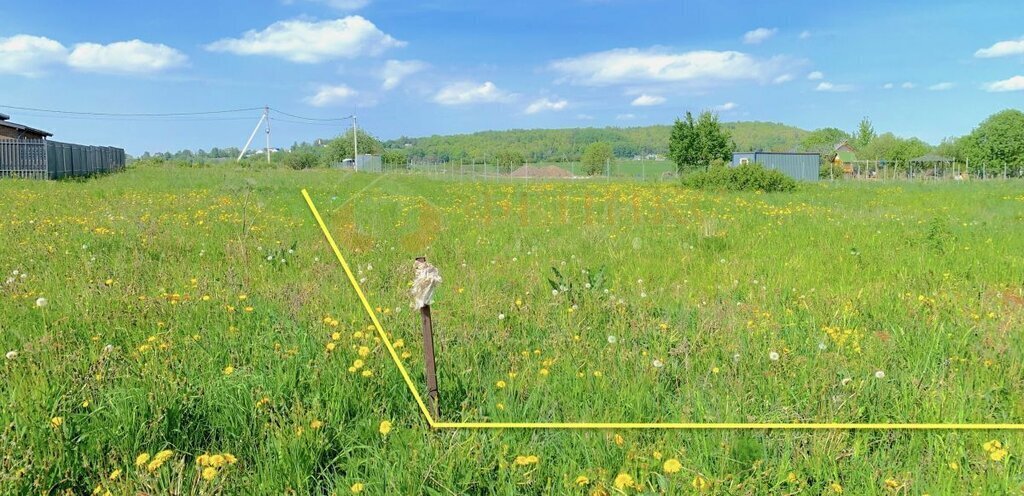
point(14, 131)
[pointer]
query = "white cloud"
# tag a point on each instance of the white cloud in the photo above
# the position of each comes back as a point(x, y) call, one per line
point(1002, 49)
point(805, 35)
point(125, 57)
point(625, 117)
point(584, 117)
point(632, 65)
point(942, 86)
point(26, 55)
point(394, 71)
point(468, 92)
point(816, 75)
point(311, 41)
point(835, 88)
point(908, 85)
point(784, 78)
point(646, 100)
point(546, 104)
point(327, 95)
point(758, 35)
point(727, 106)
point(888, 86)
point(1016, 83)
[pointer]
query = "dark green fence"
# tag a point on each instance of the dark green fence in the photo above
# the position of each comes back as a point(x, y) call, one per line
point(69, 160)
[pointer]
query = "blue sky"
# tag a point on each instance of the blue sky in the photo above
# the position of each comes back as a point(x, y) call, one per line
point(917, 68)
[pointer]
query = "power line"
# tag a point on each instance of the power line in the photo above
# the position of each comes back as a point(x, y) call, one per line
point(114, 114)
point(310, 118)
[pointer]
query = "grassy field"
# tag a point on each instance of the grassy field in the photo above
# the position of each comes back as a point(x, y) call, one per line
point(650, 170)
point(188, 331)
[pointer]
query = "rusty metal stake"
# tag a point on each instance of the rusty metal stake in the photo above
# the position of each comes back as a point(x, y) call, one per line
point(428, 357)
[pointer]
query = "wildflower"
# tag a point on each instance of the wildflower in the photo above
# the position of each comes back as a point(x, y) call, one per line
point(159, 459)
point(526, 460)
point(700, 483)
point(501, 316)
point(399, 344)
point(879, 374)
point(623, 481)
point(554, 292)
point(672, 466)
point(836, 488)
point(385, 428)
point(657, 455)
point(996, 451)
point(657, 363)
point(108, 349)
point(42, 302)
point(791, 478)
point(612, 339)
point(209, 473)
point(57, 421)
point(544, 372)
point(954, 466)
point(773, 356)
point(216, 461)
point(335, 335)
point(203, 460)
point(363, 351)
point(331, 346)
point(116, 474)
point(229, 370)
point(714, 370)
point(582, 480)
point(11, 355)
point(316, 424)
point(892, 483)
point(367, 373)
point(141, 459)
point(500, 384)
point(357, 488)
point(618, 440)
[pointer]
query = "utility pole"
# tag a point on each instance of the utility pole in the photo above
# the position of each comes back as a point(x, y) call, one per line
point(355, 144)
point(266, 115)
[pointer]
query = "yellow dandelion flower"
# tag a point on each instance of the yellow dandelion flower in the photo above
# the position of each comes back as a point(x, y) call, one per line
point(582, 481)
point(116, 474)
point(619, 441)
point(56, 422)
point(229, 370)
point(385, 428)
point(500, 384)
point(216, 460)
point(228, 457)
point(335, 336)
point(399, 344)
point(364, 351)
point(544, 372)
point(527, 460)
point(367, 373)
point(623, 481)
point(209, 473)
point(357, 488)
point(836, 488)
point(141, 459)
point(203, 460)
point(700, 483)
point(316, 424)
point(672, 466)
point(331, 346)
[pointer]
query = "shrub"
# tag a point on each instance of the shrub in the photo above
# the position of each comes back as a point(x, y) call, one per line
point(747, 177)
point(301, 159)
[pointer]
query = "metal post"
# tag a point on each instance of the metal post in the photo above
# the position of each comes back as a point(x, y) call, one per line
point(355, 144)
point(266, 115)
point(428, 356)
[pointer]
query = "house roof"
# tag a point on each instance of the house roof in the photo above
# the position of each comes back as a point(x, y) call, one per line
point(21, 127)
point(846, 156)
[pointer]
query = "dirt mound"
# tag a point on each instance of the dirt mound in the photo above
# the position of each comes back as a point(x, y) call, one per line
point(550, 171)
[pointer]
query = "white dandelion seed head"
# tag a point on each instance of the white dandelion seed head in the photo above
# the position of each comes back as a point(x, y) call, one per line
point(845, 381)
point(108, 349)
point(42, 302)
point(587, 285)
point(657, 363)
point(612, 339)
point(11, 355)
point(501, 316)
point(554, 292)
point(643, 295)
point(270, 257)
point(10, 280)
point(773, 356)
point(822, 347)
point(290, 251)
point(23, 276)
point(15, 272)
point(879, 374)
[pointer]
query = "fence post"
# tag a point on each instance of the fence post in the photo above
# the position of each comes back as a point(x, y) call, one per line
point(427, 279)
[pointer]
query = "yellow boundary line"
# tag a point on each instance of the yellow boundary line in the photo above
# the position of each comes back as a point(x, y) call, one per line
point(434, 424)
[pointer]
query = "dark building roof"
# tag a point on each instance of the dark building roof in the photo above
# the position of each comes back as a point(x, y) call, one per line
point(4, 122)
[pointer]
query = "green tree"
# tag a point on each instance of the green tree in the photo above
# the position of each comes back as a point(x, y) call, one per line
point(507, 160)
point(596, 157)
point(395, 159)
point(340, 148)
point(823, 140)
point(865, 133)
point(997, 141)
point(695, 144)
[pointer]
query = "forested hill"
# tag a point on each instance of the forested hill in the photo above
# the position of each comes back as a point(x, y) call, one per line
point(567, 144)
